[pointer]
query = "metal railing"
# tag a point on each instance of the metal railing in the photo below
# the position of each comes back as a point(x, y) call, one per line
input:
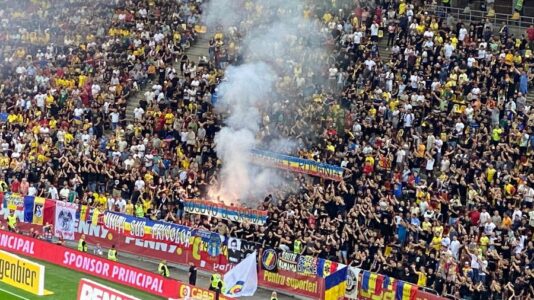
point(476, 15)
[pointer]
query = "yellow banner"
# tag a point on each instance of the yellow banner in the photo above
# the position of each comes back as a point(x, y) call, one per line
point(22, 273)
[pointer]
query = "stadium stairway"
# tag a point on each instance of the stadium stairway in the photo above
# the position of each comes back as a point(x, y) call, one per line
point(198, 49)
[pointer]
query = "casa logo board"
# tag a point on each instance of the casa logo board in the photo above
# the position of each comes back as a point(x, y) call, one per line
point(90, 290)
point(191, 292)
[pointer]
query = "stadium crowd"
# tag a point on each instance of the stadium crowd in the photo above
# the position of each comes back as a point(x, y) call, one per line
point(435, 136)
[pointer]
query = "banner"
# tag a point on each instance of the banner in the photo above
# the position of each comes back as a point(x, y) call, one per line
point(287, 271)
point(335, 285)
point(232, 213)
point(147, 229)
point(38, 211)
point(198, 253)
point(234, 250)
point(65, 219)
point(22, 273)
point(13, 202)
point(353, 275)
point(369, 286)
point(89, 290)
point(86, 263)
point(295, 164)
point(242, 280)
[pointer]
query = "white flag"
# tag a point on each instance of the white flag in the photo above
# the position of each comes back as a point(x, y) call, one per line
point(242, 280)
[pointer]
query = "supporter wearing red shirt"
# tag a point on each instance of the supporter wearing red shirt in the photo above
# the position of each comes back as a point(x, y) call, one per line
point(474, 217)
point(15, 185)
point(530, 36)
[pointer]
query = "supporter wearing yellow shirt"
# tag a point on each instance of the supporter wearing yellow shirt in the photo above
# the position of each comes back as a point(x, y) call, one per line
point(421, 277)
point(509, 58)
point(438, 40)
point(420, 28)
point(4, 161)
point(462, 78)
point(372, 112)
point(81, 80)
point(99, 200)
point(484, 242)
point(149, 178)
point(437, 230)
point(454, 41)
point(436, 243)
point(129, 209)
point(490, 173)
point(68, 137)
point(496, 134)
point(402, 7)
point(36, 129)
point(509, 188)
point(393, 104)
point(518, 59)
point(147, 203)
point(434, 26)
point(327, 17)
point(12, 118)
point(169, 118)
point(49, 100)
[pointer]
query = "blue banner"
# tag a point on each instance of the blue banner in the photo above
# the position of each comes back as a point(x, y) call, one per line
point(232, 213)
point(295, 164)
point(148, 229)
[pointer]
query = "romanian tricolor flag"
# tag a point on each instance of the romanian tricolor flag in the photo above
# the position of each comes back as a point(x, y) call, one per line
point(405, 291)
point(372, 283)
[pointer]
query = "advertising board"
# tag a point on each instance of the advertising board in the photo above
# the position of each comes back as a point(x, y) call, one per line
point(89, 264)
point(90, 290)
point(22, 273)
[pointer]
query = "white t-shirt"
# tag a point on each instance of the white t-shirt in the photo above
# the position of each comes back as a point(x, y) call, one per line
point(357, 36)
point(138, 113)
point(462, 34)
point(115, 117)
point(374, 29)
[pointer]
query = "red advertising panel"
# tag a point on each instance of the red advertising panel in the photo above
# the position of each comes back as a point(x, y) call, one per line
point(285, 278)
point(89, 290)
point(307, 286)
point(86, 263)
point(289, 280)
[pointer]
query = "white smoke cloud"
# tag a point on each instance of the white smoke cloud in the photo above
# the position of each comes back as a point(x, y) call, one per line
point(277, 37)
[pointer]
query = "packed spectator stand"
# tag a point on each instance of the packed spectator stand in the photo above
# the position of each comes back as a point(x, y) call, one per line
point(428, 115)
